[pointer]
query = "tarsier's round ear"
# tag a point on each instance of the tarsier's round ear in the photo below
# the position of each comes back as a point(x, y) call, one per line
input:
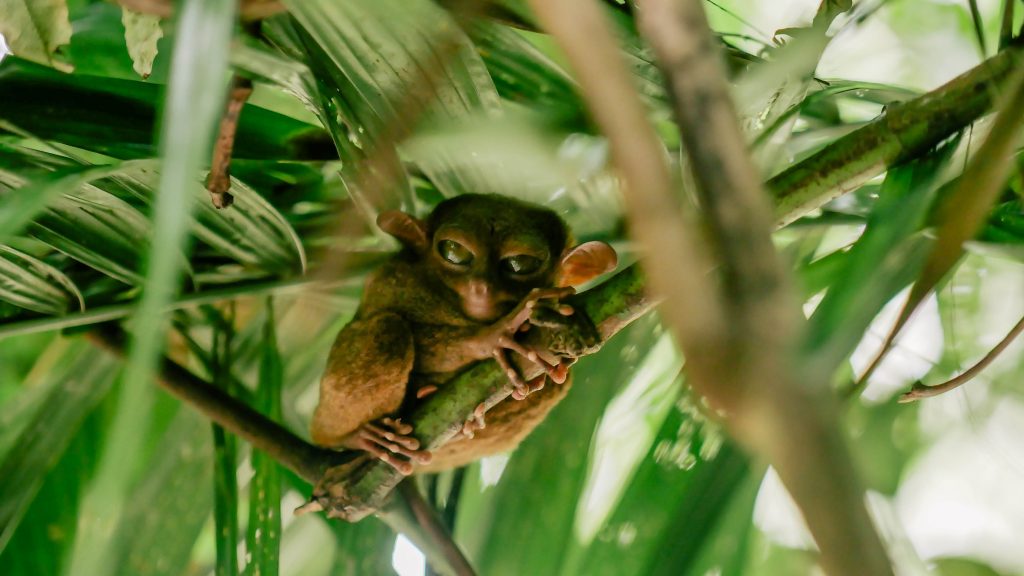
point(409, 230)
point(585, 262)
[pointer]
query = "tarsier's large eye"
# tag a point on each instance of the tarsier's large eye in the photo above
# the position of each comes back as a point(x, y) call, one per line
point(454, 252)
point(521, 264)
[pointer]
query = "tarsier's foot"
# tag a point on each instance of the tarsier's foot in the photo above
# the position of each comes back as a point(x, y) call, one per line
point(475, 422)
point(389, 440)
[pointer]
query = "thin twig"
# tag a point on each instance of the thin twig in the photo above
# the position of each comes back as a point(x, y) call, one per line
point(965, 210)
point(427, 518)
point(218, 181)
point(919, 390)
point(1006, 25)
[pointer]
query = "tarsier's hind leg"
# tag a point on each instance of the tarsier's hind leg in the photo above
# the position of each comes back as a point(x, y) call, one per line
point(366, 377)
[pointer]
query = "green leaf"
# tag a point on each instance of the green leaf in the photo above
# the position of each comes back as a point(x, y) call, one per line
point(22, 200)
point(225, 449)
point(171, 504)
point(372, 55)
point(77, 218)
point(525, 75)
point(263, 539)
point(884, 259)
point(677, 497)
point(363, 548)
point(99, 230)
point(116, 117)
point(32, 284)
point(34, 29)
point(42, 542)
point(141, 34)
point(191, 115)
point(726, 550)
point(82, 380)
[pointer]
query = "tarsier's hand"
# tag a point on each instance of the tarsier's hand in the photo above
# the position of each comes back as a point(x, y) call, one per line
point(506, 330)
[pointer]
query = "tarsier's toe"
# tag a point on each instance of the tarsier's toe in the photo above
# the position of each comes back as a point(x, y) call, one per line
point(537, 384)
point(475, 422)
point(559, 373)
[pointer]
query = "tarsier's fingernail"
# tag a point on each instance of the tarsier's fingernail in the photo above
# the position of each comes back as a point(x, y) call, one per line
point(524, 327)
point(565, 310)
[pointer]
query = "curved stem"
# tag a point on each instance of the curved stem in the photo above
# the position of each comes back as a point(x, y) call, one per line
point(921, 391)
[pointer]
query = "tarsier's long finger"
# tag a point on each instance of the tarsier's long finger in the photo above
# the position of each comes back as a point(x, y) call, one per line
point(388, 438)
point(518, 384)
point(550, 293)
point(381, 448)
point(525, 309)
point(403, 466)
point(510, 344)
point(557, 372)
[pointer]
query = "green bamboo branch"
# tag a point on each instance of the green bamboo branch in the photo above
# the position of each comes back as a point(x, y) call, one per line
point(904, 131)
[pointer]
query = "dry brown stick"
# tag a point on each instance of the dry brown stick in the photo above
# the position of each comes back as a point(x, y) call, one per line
point(218, 181)
point(427, 518)
point(920, 391)
point(248, 10)
point(740, 347)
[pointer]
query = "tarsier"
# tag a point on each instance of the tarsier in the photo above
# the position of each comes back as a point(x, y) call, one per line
point(482, 277)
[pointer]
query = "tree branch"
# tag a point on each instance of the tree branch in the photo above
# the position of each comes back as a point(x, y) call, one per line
point(294, 453)
point(904, 131)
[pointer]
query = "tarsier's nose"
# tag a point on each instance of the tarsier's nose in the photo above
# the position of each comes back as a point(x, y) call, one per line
point(479, 299)
point(479, 288)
